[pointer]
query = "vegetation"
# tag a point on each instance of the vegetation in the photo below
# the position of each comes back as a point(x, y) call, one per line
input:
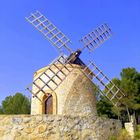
point(123, 135)
point(137, 133)
point(129, 82)
point(17, 104)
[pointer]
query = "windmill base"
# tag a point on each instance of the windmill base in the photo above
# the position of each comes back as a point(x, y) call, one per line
point(57, 127)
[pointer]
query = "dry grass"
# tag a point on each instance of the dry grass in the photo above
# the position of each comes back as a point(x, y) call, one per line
point(137, 133)
point(123, 135)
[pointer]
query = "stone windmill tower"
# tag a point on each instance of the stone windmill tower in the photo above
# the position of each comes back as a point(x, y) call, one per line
point(67, 85)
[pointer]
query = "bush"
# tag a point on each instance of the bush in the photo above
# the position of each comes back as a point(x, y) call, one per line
point(137, 133)
point(123, 135)
point(113, 138)
point(138, 128)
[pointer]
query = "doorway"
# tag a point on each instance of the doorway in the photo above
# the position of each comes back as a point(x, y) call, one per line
point(49, 104)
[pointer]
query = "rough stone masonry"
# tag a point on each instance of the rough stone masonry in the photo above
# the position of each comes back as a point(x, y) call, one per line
point(56, 127)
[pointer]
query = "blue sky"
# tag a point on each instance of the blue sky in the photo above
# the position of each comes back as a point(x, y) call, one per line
point(23, 50)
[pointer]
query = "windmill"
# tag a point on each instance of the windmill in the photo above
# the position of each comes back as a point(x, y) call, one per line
point(90, 41)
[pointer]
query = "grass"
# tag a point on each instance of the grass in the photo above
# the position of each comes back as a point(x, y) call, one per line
point(137, 133)
point(123, 135)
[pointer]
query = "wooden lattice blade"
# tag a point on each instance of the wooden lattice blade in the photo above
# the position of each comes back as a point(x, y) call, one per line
point(106, 86)
point(50, 31)
point(97, 37)
point(51, 78)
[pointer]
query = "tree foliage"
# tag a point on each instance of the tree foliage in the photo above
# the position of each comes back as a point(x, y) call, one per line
point(16, 104)
point(129, 82)
point(104, 108)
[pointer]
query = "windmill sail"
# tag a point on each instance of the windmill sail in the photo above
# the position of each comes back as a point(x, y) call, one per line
point(106, 86)
point(52, 77)
point(49, 30)
point(97, 37)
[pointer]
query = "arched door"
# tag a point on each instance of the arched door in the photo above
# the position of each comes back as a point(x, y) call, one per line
point(49, 105)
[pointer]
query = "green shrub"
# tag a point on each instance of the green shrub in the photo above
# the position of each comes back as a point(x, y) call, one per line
point(123, 135)
point(138, 128)
point(113, 138)
point(137, 135)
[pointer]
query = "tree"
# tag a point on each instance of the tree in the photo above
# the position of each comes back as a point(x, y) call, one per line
point(129, 82)
point(1, 110)
point(104, 108)
point(16, 104)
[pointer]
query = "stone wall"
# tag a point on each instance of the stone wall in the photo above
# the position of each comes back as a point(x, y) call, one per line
point(52, 127)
